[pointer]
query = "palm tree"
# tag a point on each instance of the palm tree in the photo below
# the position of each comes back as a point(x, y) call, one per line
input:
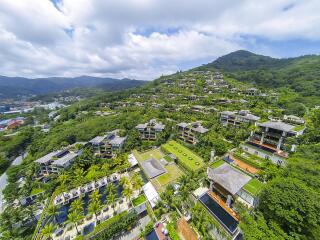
point(47, 231)
point(128, 192)
point(94, 207)
point(74, 218)
point(137, 182)
point(77, 206)
point(111, 199)
point(124, 181)
point(79, 176)
point(111, 189)
point(63, 178)
point(95, 196)
point(53, 211)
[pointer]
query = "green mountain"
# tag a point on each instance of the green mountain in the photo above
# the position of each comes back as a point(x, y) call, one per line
point(17, 86)
point(301, 74)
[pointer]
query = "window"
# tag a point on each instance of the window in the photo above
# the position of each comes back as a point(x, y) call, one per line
point(256, 153)
point(267, 157)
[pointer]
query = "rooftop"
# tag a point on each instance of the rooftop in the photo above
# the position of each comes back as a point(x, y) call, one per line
point(228, 177)
point(278, 125)
point(153, 168)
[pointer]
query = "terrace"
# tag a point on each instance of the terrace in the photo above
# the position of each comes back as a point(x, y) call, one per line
point(186, 157)
point(159, 168)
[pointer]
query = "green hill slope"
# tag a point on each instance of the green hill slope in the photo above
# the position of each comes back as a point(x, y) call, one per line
point(301, 74)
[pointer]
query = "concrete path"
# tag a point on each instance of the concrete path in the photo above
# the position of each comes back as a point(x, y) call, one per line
point(135, 233)
point(4, 180)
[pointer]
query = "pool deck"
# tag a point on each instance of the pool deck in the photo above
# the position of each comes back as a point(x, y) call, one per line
point(102, 216)
point(158, 229)
point(246, 167)
point(216, 198)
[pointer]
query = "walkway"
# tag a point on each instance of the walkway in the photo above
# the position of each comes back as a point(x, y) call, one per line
point(4, 180)
point(135, 232)
point(105, 214)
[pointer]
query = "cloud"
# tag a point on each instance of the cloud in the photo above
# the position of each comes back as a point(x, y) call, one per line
point(144, 38)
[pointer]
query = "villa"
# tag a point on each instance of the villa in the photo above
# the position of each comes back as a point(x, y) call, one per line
point(227, 185)
point(236, 118)
point(106, 146)
point(59, 160)
point(150, 130)
point(189, 132)
point(270, 141)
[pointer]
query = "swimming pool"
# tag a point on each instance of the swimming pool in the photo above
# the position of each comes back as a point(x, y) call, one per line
point(228, 221)
point(151, 236)
point(64, 209)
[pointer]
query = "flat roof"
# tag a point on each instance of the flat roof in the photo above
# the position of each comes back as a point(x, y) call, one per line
point(117, 140)
point(97, 140)
point(277, 125)
point(153, 168)
point(48, 157)
point(228, 177)
point(132, 160)
point(151, 194)
point(65, 159)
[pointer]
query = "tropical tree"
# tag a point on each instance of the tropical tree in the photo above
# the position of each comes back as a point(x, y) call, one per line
point(74, 218)
point(111, 199)
point(128, 192)
point(137, 182)
point(77, 206)
point(53, 212)
point(95, 196)
point(47, 231)
point(79, 176)
point(94, 208)
point(111, 189)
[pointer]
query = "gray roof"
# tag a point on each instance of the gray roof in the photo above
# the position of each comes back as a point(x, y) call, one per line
point(228, 177)
point(159, 126)
point(65, 159)
point(117, 140)
point(200, 129)
point(278, 125)
point(241, 114)
point(97, 140)
point(47, 158)
point(183, 124)
point(153, 168)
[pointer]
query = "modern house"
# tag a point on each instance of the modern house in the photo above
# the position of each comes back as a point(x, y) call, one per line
point(189, 132)
point(229, 184)
point(106, 146)
point(150, 130)
point(270, 141)
point(236, 118)
point(56, 161)
point(252, 92)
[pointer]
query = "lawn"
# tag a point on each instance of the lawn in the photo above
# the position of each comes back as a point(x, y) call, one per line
point(217, 163)
point(137, 201)
point(254, 186)
point(186, 157)
point(173, 173)
point(153, 153)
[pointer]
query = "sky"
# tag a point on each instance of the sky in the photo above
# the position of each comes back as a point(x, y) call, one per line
point(143, 39)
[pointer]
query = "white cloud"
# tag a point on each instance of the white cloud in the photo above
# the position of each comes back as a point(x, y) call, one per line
point(104, 37)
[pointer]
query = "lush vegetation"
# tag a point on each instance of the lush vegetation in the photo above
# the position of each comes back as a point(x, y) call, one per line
point(186, 158)
point(289, 198)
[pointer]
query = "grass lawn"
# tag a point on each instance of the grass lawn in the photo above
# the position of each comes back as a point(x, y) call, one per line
point(142, 156)
point(254, 186)
point(35, 191)
point(173, 173)
point(217, 163)
point(186, 157)
point(137, 201)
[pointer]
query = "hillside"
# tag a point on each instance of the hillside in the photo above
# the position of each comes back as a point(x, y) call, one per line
point(301, 74)
point(17, 86)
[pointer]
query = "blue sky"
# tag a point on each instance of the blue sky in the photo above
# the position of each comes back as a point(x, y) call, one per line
point(144, 39)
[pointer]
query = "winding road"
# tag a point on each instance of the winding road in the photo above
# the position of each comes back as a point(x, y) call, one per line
point(4, 179)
